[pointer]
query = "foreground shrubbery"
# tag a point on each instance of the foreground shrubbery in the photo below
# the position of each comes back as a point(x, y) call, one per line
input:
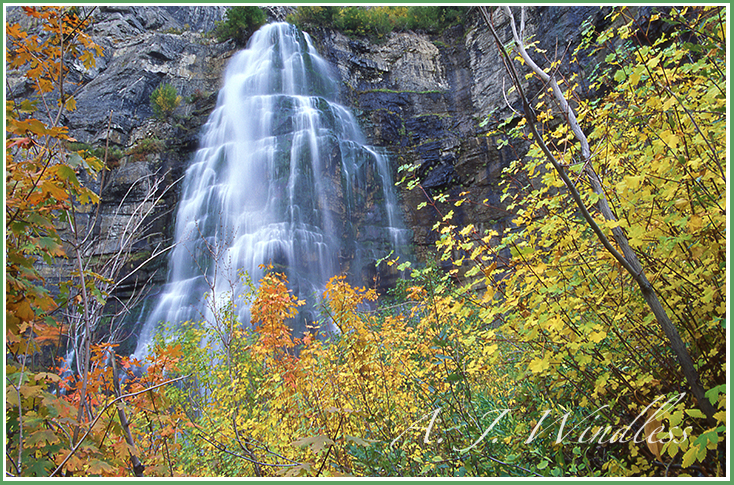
point(393, 394)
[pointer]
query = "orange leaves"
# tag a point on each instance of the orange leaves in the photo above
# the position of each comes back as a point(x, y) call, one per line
point(652, 427)
point(273, 305)
point(48, 334)
point(14, 31)
point(39, 182)
point(51, 189)
point(416, 293)
point(36, 128)
point(24, 312)
point(32, 12)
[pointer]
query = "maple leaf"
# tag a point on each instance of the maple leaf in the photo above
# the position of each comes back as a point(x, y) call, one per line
point(317, 443)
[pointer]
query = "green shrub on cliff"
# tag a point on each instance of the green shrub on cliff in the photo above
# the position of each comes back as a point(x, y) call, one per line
point(313, 16)
point(240, 24)
point(376, 22)
point(163, 100)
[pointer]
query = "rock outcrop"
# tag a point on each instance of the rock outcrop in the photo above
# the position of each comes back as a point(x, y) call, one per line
point(143, 47)
point(423, 97)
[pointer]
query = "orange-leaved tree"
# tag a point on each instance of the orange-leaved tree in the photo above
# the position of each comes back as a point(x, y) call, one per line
point(71, 424)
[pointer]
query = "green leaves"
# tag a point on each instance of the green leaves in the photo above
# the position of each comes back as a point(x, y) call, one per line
point(164, 99)
point(241, 22)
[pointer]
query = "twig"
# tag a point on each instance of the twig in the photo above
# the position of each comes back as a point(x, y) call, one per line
point(17, 470)
point(138, 467)
point(258, 471)
point(336, 434)
point(224, 449)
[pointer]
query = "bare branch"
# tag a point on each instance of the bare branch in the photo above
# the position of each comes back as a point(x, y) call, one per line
point(104, 410)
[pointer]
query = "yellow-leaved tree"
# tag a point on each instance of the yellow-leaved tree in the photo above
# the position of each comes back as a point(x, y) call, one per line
point(617, 276)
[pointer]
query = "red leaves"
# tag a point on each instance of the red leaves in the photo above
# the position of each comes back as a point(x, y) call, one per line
point(48, 334)
point(23, 143)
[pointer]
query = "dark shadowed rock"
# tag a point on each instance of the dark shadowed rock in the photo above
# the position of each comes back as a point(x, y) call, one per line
point(422, 97)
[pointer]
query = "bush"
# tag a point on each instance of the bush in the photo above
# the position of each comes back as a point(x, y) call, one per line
point(145, 147)
point(114, 153)
point(163, 100)
point(241, 23)
point(313, 16)
point(376, 22)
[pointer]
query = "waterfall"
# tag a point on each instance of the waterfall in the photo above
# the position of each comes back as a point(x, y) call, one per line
point(283, 175)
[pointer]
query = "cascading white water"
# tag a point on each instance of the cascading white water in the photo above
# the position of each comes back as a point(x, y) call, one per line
point(283, 176)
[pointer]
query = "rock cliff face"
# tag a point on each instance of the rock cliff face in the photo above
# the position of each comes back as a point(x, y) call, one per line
point(423, 97)
point(420, 97)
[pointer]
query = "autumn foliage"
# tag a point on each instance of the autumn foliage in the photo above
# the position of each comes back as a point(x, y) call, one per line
point(59, 422)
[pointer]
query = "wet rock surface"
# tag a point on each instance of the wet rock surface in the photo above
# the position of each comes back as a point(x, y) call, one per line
point(423, 97)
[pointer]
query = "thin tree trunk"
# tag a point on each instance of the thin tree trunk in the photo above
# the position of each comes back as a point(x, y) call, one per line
point(138, 467)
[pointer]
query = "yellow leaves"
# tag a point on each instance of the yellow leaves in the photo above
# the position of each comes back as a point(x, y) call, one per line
point(670, 139)
point(695, 452)
point(695, 223)
point(70, 104)
point(634, 78)
point(489, 350)
point(654, 103)
point(88, 59)
point(466, 229)
point(583, 359)
point(317, 443)
point(632, 182)
point(597, 336)
point(538, 365)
